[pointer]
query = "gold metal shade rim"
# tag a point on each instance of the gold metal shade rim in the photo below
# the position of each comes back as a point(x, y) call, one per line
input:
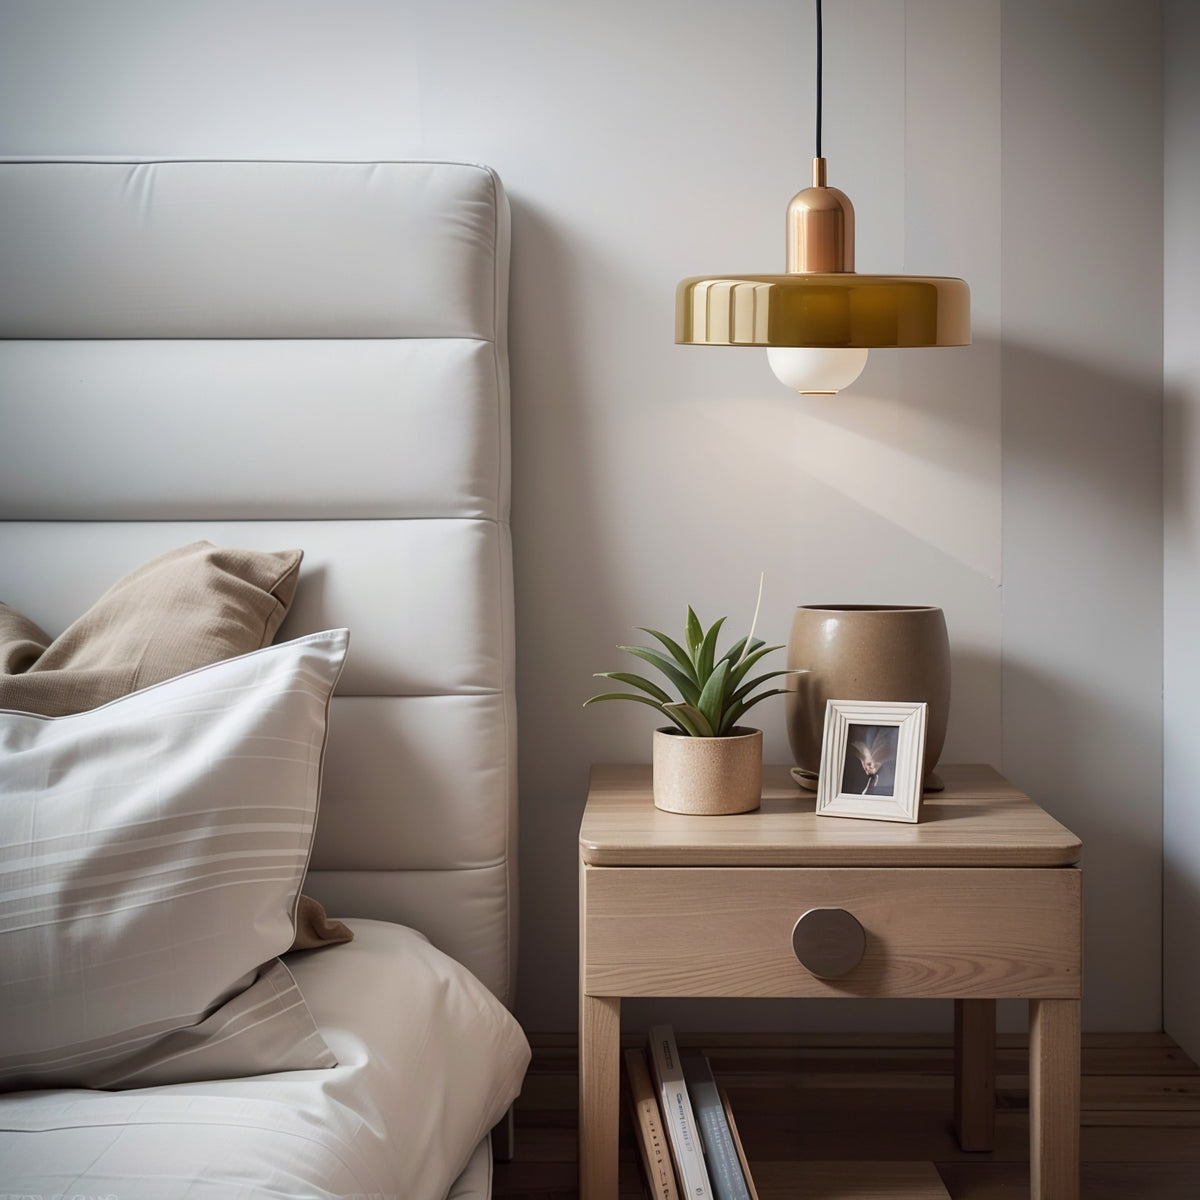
point(899, 311)
point(825, 278)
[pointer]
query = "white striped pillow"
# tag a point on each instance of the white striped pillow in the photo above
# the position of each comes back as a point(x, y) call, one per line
point(152, 853)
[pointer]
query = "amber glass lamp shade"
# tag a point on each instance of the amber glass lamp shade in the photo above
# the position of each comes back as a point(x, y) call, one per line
point(824, 310)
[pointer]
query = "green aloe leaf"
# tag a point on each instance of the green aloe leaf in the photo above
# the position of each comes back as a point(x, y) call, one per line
point(694, 631)
point(739, 672)
point(735, 651)
point(707, 653)
point(679, 723)
point(691, 718)
point(734, 713)
point(624, 696)
point(747, 688)
point(637, 681)
point(712, 698)
point(730, 719)
point(687, 686)
point(678, 653)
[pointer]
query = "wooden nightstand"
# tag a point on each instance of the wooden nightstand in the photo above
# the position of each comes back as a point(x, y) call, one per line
point(981, 899)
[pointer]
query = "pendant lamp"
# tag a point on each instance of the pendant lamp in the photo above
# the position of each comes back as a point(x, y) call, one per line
point(818, 320)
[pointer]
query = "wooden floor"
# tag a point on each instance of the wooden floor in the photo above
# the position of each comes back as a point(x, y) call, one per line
point(882, 1107)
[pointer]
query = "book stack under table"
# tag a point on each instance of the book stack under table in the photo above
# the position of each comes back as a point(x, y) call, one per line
point(980, 900)
point(685, 1130)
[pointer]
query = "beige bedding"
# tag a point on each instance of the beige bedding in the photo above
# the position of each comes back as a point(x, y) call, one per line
point(428, 1061)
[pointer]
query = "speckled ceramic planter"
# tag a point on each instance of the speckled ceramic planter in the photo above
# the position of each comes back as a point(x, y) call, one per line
point(861, 652)
point(708, 776)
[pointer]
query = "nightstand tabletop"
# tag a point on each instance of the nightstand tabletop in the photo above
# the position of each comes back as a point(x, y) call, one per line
point(980, 820)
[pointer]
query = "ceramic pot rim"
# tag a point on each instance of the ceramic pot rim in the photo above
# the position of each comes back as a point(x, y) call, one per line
point(841, 608)
point(738, 731)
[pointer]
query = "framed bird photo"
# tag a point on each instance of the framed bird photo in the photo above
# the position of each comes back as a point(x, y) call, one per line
point(872, 760)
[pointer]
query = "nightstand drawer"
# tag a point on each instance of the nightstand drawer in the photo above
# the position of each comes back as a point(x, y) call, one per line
point(929, 932)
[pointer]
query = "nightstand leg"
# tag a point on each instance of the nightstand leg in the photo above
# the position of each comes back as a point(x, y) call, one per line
point(975, 1073)
point(1054, 1099)
point(599, 1095)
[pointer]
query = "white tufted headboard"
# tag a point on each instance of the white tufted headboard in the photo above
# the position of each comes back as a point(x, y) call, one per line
point(278, 354)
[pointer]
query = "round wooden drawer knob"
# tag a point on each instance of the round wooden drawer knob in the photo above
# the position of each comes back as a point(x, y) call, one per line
point(829, 942)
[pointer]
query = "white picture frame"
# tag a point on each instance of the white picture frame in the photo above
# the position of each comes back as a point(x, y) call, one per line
point(872, 760)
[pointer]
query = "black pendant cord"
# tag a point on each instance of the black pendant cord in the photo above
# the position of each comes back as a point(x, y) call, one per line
point(819, 80)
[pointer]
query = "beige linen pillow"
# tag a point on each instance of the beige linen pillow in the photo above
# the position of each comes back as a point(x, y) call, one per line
point(194, 605)
point(151, 856)
point(22, 643)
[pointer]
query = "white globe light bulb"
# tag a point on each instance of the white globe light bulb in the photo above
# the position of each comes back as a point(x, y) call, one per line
point(813, 370)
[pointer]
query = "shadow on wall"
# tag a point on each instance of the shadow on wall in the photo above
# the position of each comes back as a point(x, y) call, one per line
point(559, 553)
point(1090, 435)
point(1181, 919)
point(1181, 801)
point(1181, 496)
point(1083, 654)
point(1105, 787)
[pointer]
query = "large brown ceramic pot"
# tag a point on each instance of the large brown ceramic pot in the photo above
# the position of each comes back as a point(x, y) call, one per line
point(861, 652)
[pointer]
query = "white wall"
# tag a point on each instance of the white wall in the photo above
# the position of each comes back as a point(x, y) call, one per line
point(642, 142)
point(1181, 381)
point(1082, 353)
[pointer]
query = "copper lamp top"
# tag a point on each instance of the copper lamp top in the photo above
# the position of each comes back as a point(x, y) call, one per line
point(820, 227)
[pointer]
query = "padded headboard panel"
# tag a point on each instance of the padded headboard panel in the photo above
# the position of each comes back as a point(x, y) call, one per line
point(277, 354)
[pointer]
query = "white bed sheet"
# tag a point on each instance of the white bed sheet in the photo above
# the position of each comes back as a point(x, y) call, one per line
point(428, 1061)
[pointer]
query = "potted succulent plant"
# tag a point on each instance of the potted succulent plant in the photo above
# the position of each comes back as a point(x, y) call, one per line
point(704, 761)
